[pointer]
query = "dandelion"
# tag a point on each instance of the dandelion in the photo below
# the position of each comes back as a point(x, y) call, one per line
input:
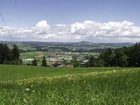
point(32, 85)
point(33, 91)
point(114, 70)
point(27, 89)
point(84, 81)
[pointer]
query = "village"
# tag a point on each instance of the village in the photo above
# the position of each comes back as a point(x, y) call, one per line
point(58, 58)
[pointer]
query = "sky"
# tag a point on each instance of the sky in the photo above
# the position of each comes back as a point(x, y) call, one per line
point(96, 21)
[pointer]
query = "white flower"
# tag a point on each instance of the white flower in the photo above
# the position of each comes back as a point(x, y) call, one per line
point(27, 89)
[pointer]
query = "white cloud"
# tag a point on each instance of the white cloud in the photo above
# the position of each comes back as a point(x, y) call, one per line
point(124, 31)
point(42, 26)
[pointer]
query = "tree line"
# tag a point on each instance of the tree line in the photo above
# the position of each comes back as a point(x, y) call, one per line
point(121, 57)
point(9, 55)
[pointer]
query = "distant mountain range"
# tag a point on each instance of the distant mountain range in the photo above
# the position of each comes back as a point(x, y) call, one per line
point(69, 46)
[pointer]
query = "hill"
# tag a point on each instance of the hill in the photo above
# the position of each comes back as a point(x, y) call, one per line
point(66, 46)
point(20, 85)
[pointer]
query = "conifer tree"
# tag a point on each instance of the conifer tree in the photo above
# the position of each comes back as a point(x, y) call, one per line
point(44, 64)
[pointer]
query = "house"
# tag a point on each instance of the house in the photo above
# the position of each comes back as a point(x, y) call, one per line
point(27, 61)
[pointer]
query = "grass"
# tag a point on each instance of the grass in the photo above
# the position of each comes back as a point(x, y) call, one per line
point(33, 54)
point(22, 85)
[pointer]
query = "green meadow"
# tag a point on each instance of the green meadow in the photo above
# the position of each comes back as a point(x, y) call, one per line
point(33, 54)
point(26, 85)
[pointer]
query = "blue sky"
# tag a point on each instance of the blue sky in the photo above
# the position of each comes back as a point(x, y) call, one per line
point(27, 13)
point(69, 11)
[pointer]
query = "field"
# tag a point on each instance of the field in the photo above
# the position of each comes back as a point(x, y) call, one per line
point(25, 85)
point(33, 54)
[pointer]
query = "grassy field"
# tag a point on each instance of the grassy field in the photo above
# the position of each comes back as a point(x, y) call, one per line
point(22, 85)
point(33, 54)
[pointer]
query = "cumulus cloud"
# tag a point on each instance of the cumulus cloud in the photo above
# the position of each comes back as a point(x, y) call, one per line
point(124, 31)
point(88, 30)
point(42, 27)
point(36, 33)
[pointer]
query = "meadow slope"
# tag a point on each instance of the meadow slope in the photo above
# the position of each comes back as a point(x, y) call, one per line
point(22, 85)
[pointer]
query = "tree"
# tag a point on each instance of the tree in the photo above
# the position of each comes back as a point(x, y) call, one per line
point(5, 54)
point(15, 54)
point(2, 53)
point(34, 62)
point(121, 58)
point(134, 55)
point(65, 62)
point(75, 61)
point(100, 63)
point(124, 61)
point(92, 61)
point(108, 57)
point(44, 64)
